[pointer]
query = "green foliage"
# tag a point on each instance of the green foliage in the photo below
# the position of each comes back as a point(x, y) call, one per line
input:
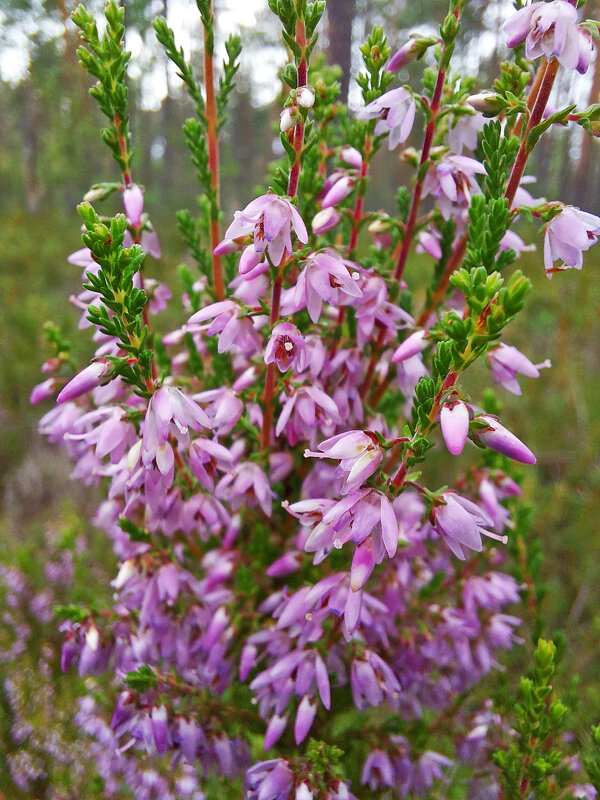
point(114, 284)
point(375, 53)
point(141, 679)
point(166, 37)
point(233, 48)
point(106, 59)
point(533, 763)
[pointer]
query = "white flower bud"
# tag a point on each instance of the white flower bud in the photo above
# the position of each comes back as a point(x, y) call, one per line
point(306, 96)
point(289, 119)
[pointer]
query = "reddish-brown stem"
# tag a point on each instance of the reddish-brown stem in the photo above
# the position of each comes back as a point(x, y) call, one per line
point(412, 216)
point(298, 140)
point(535, 118)
point(532, 96)
point(210, 111)
point(270, 375)
point(440, 291)
point(449, 382)
point(418, 190)
point(299, 129)
point(356, 219)
point(127, 180)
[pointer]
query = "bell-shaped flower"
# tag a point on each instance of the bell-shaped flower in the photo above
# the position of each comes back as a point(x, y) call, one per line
point(363, 513)
point(325, 278)
point(461, 523)
point(497, 437)
point(84, 381)
point(567, 236)
point(133, 200)
point(414, 343)
point(408, 52)
point(170, 411)
point(305, 411)
point(269, 218)
point(359, 454)
point(351, 156)
point(269, 780)
point(338, 192)
point(454, 421)
point(325, 220)
point(395, 114)
point(286, 348)
point(550, 29)
point(506, 361)
point(229, 321)
point(452, 182)
point(205, 457)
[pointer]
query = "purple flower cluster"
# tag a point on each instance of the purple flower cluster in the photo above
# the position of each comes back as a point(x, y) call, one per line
point(281, 561)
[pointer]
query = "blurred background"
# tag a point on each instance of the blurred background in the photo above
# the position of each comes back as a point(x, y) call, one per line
point(50, 153)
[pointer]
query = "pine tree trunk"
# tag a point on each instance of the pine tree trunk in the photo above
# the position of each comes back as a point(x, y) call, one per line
point(340, 15)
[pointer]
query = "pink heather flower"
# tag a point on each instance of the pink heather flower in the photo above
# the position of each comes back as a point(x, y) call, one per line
point(325, 278)
point(325, 220)
point(372, 681)
point(338, 192)
point(305, 411)
point(224, 408)
point(304, 718)
point(429, 243)
point(363, 513)
point(253, 285)
point(247, 485)
point(84, 381)
point(359, 454)
point(413, 344)
point(567, 236)
point(374, 307)
point(270, 219)
point(286, 348)
point(249, 260)
point(230, 322)
point(506, 361)
point(452, 181)
point(498, 438)
point(44, 390)
point(512, 241)
point(395, 114)
point(169, 412)
point(550, 29)
point(205, 457)
point(460, 523)
point(133, 200)
point(454, 421)
point(351, 156)
point(408, 52)
point(465, 132)
point(269, 780)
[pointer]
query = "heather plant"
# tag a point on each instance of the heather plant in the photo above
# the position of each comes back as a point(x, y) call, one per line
point(300, 611)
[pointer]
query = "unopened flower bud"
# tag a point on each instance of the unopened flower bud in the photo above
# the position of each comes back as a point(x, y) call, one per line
point(498, 438)
point(290, 117)
point(94, 193)
point(407, 53)
point(306, 96)
point(488, 103)
point(351, 156)
point(324, 220)
point(454, 420)
point(133, 200)
point(84, 381)
point(43, 390)
point(338, 192)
